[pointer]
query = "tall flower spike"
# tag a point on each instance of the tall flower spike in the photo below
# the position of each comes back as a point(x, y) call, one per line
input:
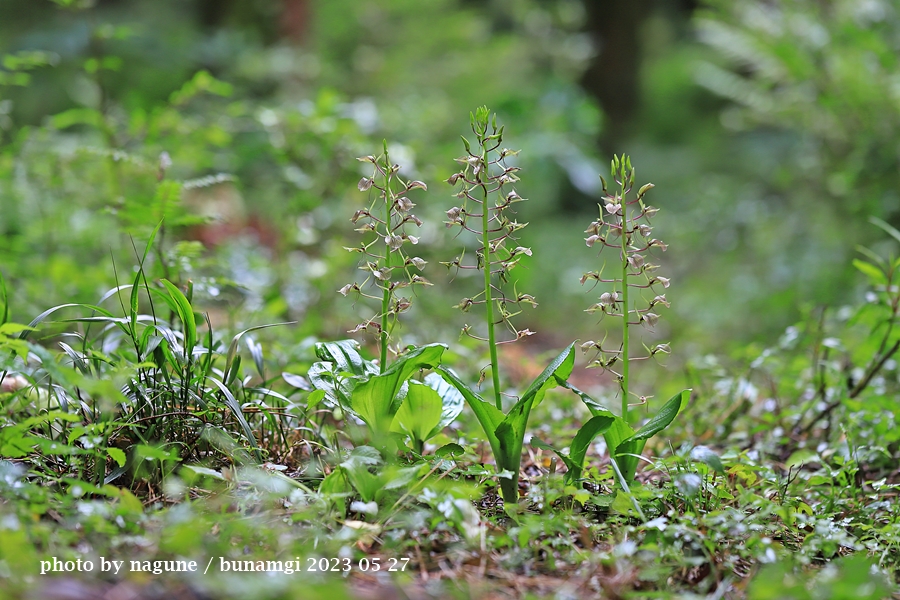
point(485, 187)
point(386, 242)
point(634, 292)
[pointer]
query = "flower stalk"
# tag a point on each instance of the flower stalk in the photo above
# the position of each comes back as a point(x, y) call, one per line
point(485, 175)
point(625, 225)
point(388, 266)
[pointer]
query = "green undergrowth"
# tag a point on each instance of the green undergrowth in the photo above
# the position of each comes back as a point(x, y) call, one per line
point(135, 430)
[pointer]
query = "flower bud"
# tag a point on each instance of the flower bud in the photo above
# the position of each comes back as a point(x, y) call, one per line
point(645, 188)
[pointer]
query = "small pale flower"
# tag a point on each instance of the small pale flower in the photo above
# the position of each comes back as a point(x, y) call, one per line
point(650, 319)
point(416, 262)
point(393, 241)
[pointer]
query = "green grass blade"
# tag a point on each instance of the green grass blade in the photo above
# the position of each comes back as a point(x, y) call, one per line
point(4, 297)
point(235, 341)
point(235, 407)
point(185, 314)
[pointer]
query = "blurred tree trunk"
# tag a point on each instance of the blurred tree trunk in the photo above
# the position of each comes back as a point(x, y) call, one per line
point(613, 76)
point(295, 20)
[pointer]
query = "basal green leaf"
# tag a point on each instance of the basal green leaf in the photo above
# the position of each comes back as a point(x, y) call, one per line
point(376, 399)
point(582, 441)
point(626, 451)
point(511, 431)
point(488, 415)
point(420, 412)
point(345, 356)
point(664, 417)
point(452, 401)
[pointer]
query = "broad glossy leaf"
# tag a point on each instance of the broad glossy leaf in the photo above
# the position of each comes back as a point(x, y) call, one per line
point(664, 417)
point(376, 399)
point(582, 441)
point(420, 412)
point(628, 450)
point(488, 415)
point(511, 431)
point(452, 401)
point(345, 356)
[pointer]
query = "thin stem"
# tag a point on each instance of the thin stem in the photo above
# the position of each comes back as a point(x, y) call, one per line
point(625, 310)
point(486, 266)
point(386, 292)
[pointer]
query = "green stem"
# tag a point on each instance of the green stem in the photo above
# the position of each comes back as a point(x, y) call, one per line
point(486, 265)
point(625, 309)
point(386, 292)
